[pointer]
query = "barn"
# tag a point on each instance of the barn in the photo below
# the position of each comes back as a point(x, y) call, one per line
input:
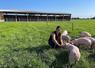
point(18, 15)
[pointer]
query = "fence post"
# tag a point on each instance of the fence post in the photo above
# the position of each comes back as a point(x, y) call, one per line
point(72, 26)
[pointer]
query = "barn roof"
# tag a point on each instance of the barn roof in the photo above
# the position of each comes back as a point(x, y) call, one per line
point(28, 11)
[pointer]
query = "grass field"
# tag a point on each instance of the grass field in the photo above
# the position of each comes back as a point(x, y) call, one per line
point(24, 44)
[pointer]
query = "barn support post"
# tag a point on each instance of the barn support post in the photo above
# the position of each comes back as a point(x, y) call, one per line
point(70, 16)
point(55, 18)
point(27, 17)
point(16, 17)
point(47, 18)
point(63, 18)
point(5, 17)
point(38, 17)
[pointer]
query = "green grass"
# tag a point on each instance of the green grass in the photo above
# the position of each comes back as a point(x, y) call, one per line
point(24, 44)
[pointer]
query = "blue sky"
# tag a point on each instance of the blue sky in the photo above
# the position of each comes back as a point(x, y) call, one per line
point(78, 8)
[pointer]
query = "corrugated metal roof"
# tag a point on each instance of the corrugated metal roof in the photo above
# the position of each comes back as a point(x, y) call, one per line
point(28, 11)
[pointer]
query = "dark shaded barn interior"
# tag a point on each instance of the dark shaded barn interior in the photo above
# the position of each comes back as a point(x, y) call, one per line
point(14, 15)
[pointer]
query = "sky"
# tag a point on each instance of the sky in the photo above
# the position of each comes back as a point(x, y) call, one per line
point(78, 8)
